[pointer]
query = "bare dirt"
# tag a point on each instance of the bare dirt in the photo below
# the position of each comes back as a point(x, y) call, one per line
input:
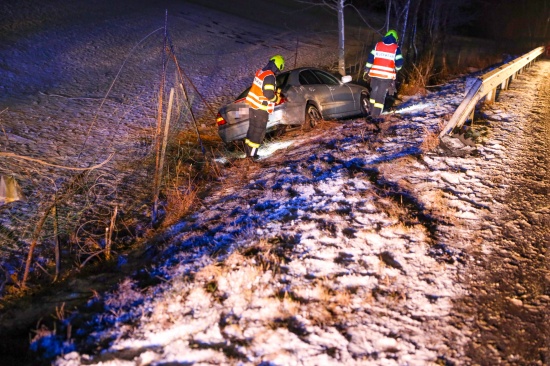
point(510, 287)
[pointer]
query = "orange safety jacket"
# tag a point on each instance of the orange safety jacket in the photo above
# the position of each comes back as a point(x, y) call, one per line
point(384, 61)
point(256, 98)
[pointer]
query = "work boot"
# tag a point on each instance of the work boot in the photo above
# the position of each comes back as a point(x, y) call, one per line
point(247, 151)
point(251, 152)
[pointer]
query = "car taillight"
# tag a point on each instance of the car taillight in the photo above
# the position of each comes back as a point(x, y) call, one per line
point(220, 121)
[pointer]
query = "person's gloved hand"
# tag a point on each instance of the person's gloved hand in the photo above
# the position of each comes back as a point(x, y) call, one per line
point(366, 76)
point(278, 96)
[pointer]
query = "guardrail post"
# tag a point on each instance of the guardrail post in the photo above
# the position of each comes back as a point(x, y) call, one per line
point(491, 96)
point(504, 85)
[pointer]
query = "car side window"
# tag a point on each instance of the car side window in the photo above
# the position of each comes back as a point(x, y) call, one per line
point(282, 79)
point(308, 78)
point(326, 78)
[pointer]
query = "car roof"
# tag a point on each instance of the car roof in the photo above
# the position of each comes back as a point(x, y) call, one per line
point(293, 78)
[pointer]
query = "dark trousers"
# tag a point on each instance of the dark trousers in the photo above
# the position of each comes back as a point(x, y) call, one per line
point(256, 129)
point(379, 89)
point(257, 125)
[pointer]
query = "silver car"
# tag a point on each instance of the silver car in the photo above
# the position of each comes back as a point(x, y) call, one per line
point(307, 96)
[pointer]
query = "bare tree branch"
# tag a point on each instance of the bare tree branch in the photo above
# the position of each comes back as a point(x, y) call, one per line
point(21, 157)
point(364, 20)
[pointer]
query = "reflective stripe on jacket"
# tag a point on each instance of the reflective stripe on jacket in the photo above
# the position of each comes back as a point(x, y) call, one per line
point(384, 61)
point(256, 98)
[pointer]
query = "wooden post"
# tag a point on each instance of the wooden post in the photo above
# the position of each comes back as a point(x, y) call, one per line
point(109, 234)
point(165, 137)
point(159, 123)
point(35, 236)
point(57, 250)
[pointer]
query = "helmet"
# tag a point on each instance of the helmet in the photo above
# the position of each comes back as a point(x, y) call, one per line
point(279, 61)
point(392, 32)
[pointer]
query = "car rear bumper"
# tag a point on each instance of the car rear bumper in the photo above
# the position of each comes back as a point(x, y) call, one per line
point(233, 132)
point(237, 130)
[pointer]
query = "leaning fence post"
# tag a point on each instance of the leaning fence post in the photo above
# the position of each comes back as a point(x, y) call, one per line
point(166, 129)
point(57, 249)
point(156, 179)
point(35, 235)
point(109, 235)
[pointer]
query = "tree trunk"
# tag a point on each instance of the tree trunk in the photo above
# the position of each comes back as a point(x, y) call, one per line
point(341, 38)
point(388, 14)
point(406, 17)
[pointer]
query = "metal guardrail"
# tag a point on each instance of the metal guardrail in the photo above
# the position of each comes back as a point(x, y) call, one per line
point(486, 86)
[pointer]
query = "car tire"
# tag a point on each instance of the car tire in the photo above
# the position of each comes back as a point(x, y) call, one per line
point(364, 101)
point(313, 116)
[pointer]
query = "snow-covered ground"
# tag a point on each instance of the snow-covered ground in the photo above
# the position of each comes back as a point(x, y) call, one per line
point(341, 246)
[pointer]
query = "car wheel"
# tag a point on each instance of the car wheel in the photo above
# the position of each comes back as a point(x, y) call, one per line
point(312, 117)
point(364, 104)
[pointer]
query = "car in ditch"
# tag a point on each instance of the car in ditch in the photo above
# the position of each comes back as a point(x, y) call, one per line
point(308, 95)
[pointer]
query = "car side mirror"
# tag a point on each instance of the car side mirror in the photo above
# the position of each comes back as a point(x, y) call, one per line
point(346, 78)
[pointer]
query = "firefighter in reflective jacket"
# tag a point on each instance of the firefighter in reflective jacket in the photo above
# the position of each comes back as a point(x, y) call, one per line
point(382, 65)
point(261, 99)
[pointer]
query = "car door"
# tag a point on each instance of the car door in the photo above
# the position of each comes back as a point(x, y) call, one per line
point(343, 100)
point(314, 89)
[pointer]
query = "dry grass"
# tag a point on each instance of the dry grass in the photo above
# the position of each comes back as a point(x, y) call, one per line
point(319, 315)
point(430, 141)
point(269, 261)
point(439, 207)
point(289, 306)
point(343, 298)
point(181, 194)
point(431, 138)
point(235, 260)
point(209, 273)
point(418, 77)
point(478, 62)
point(322, 292)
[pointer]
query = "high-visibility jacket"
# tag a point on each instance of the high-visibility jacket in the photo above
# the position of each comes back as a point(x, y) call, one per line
point(256, 98)
point(383, 65)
